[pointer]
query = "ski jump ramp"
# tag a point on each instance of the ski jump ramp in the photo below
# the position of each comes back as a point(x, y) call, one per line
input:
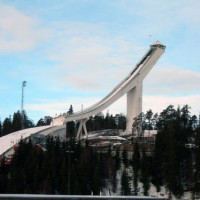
point(131, 85)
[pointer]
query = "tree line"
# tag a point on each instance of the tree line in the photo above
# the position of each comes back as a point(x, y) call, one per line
point(72, 167)
point(172, 164)
point(62, 168)
point(14, 123)
point(97, 122)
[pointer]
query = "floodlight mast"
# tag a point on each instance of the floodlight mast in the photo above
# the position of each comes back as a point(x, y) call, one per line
point(22, 104)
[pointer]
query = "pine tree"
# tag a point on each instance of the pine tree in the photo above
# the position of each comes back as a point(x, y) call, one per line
point(28, 123)
point(70, 111)
point(70, 126)
point(16, 122)
point(47, 120)
point(4, 181)
point(121, 122)
point(172, 169)
point(137, 125)
point(7, 126)
point(197, 162)
point(95, 183)
point(144, 177)
point(41, 122)
point(149, 116)
point(117, 159)
point(125, 157)
point(158, 159)
point(136, 167)
point(125, 184)
point(63, 178)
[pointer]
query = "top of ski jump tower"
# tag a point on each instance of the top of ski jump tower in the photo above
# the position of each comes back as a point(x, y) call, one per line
point(157, 44)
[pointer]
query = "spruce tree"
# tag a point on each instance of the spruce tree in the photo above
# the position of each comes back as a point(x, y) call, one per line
point(41, 122)
point(172, 168)
point(125, 157)
point(149, 116)
point(197, 162)
point(144, 176)
point(158, 160)
point(70, 126)
point(28, 123)
point(7, 126)
point(4, 180)
point(125, 184)
point(16, 122)
point(117, 159)
point(136, 167)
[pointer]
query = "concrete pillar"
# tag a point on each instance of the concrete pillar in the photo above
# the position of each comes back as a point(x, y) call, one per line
point(134, 105)
point(82, 126)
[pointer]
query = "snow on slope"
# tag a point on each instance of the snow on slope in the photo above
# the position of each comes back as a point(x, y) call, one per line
point(8, 141)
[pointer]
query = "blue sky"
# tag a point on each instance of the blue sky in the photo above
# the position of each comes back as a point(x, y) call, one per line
point(76, 51)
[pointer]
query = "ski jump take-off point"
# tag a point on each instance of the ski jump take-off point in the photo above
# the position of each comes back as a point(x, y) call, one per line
point(131, 85)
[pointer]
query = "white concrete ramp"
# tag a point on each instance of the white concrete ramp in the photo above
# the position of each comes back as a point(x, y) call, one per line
point(131, 85)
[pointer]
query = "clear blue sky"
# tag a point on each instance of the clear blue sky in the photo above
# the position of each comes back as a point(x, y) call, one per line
point(76, 51)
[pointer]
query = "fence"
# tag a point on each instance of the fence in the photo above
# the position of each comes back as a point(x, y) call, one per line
point(73, 197)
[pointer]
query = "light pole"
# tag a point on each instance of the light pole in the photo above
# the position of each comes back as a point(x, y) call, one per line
point(22, 104)
point(69, 163)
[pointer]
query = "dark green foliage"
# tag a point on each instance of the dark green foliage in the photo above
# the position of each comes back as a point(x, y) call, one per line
point(70, 126)
point(70, 111)
point(144, 176)
point(35, 171)
point(70, 129)
point(70, 168)
point(117, 159)
point(99, 122)
point(121, 122)
point(136, 167)
point(109, 122)
point(28, 123)
point(7, 126)
point(125, 184)
point(3, 176)
point(16, 122)
point(172, 160)
point(158, 159)
point(149, 116)
point(44, 121)
point(197, 163)
point(125, 158)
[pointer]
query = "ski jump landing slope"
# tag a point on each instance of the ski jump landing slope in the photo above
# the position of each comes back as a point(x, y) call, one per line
point(12, 139)
point(131, 85)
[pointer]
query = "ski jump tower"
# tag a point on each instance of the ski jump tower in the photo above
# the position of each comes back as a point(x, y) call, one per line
point(131, 85)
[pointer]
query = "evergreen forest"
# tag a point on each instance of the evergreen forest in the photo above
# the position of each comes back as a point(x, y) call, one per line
point(73, 167)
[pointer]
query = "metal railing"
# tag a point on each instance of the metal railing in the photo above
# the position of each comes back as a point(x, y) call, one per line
point(73, 197)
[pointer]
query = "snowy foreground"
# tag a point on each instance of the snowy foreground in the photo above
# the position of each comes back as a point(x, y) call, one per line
point(152, 191)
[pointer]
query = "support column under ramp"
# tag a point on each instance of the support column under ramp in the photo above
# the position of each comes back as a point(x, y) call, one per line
point(82, 126)
point(134, 105)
